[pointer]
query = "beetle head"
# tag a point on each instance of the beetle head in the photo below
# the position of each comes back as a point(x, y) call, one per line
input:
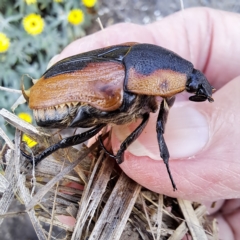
point(199, 85)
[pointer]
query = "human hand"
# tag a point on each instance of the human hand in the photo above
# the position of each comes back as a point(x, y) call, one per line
point(203, 138)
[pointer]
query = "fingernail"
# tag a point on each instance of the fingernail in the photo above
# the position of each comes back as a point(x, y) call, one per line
point(186, 134)
point(52, 61)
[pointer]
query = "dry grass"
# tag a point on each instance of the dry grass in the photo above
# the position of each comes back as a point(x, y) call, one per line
point(90, 190)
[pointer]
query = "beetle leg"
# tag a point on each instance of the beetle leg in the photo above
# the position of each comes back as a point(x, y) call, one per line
point(66, 142)
point(130, 139)
point(161, 121)
point(103, 147)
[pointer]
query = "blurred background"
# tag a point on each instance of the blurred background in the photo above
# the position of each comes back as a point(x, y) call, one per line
point(33, 31)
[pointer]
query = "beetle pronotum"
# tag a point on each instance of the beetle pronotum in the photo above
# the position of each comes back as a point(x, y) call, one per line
point(115, 85)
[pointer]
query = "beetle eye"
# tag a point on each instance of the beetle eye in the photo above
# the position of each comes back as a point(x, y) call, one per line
point(198, 98)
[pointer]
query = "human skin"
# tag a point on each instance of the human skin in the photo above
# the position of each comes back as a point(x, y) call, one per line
point(203, 138)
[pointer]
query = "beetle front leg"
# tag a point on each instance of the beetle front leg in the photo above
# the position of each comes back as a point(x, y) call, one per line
point(161, 121)
point(129, 140)
point(66, 142)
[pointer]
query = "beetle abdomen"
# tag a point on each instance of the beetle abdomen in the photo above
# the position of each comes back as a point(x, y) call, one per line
point(58, 116)
point(82, 115)
point(154, 70)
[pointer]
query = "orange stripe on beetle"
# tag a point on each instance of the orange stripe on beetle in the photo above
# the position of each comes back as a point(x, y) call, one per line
point(163, 82)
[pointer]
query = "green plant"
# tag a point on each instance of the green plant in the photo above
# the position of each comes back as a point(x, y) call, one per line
point(31, 33)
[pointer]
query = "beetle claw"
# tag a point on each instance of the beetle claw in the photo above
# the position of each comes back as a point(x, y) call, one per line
point(26, 156)
point(117, 157)
point(30, 158)
point(103, 147)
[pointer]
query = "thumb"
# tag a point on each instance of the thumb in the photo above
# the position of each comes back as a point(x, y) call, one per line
point(203, 141)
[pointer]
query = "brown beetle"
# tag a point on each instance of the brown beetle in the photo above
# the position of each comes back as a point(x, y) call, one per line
point(114, 85)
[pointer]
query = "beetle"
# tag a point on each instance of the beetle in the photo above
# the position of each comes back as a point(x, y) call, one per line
point(116, 85)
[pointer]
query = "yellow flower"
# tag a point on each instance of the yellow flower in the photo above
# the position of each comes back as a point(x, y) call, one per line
point(58, 1)
point(25, 138)
point(4, 42)
point(29, 141)
point(28, 2)
point(25, 116)
point(76, 16)
point(33, 24)
point(89, 3)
